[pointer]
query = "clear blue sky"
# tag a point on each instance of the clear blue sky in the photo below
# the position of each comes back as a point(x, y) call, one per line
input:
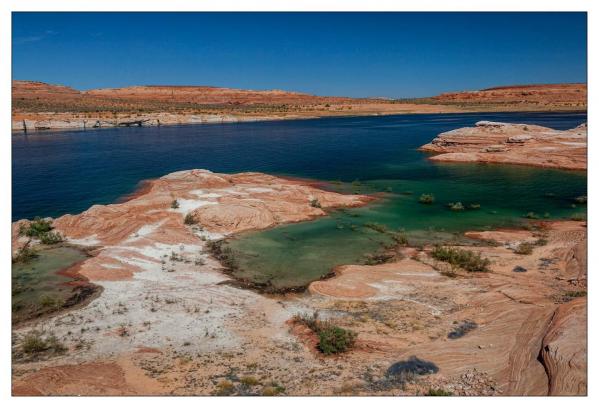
point(352, 54)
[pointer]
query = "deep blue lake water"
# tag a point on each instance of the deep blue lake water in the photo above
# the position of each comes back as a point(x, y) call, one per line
point(54, 173)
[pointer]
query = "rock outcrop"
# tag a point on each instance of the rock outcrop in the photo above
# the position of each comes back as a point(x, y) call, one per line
point(564, 351)
point(495, 142)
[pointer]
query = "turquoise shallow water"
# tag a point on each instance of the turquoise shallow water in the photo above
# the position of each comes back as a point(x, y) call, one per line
point(67, 172)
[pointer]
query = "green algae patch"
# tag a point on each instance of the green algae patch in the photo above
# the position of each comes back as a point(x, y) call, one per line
point(40, 286)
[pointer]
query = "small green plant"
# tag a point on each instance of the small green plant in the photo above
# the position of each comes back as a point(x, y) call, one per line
point(189, 219)
point(50, 302)
point(541, 242)
point(531, 215)
point(315, 203)
point(458, 206)
point(461, 258)
point(174, 204)
point(272, 390)
point(524, 248)
point(224, 387)
point(333, 340)
point(249, 381)
point(426, 199)
point(35, 343)
point(51, 238)
point(400, 238)
point(36, 228)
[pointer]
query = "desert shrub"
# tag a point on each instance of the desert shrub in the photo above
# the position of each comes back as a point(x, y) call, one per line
point(223, 254)
point(249, 381)
point(468, 260)
point(50, 238)
point(35, 343)
point(315, 203)
point(272, 390)
point(47, 301)
point(438, 392)
point(525, 248)
point(36, 228)
point(224, 387)
point(426, 199)
point(333, 340)
point(456, 206)
point(189, 220)
point(541, 242)
point(400, 238)
point(174, 204)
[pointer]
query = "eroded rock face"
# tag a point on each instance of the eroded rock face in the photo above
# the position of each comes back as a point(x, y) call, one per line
point(564, 352)
point(496, 142)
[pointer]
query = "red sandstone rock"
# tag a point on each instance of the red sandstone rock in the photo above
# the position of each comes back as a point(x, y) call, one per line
point(495, 142)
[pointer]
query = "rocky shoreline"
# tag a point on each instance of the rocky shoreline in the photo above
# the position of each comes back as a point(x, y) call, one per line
point(507, 143)
point(166, 324)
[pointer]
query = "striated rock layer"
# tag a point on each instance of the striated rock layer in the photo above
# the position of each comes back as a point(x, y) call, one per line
point(495, 142)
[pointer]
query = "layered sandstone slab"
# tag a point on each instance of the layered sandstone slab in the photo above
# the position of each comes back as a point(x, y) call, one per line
point(517, 314)
point(220, 204)
point(496, 142)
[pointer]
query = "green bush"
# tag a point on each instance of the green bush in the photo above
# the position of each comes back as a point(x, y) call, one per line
point(333, 340)
point(400, 238)
point(50, 238)
point(461, 258)
point(525, 248)
point(426, 199)
point(36, 228)
point(34, 343)
point(456, 206)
